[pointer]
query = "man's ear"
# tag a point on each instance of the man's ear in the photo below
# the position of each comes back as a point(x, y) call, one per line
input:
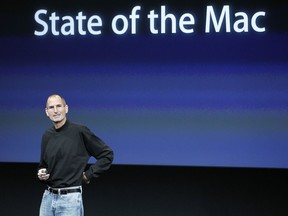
point(46, 111)
point(66, 108)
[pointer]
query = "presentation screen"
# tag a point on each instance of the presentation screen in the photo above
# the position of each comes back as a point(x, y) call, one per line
point(173, 83)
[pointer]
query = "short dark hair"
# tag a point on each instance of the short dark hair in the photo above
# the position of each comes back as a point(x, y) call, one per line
point(57, 95)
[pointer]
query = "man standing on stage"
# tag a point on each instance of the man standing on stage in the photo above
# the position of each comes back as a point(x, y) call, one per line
point(65, 151)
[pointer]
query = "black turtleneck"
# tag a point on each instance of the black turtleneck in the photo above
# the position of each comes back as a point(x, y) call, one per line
point(65, 153)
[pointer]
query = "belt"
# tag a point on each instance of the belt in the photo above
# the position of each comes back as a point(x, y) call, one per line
point(64, 191)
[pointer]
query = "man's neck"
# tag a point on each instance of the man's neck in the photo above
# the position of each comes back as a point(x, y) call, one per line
point(58, 125)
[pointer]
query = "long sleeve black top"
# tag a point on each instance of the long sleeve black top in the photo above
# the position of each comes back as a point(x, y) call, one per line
point(65, 153)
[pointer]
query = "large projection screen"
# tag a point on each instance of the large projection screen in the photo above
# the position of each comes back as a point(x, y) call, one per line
point(177, 83)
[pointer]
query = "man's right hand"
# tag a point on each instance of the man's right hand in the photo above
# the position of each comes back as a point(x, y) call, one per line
point(42, 174)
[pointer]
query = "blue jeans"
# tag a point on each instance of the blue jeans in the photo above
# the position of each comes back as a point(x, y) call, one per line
point(70, 204)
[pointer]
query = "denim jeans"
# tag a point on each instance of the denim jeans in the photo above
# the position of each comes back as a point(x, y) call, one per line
point(70, 204)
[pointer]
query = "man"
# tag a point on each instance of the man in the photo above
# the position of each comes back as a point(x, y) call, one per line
point(65, 151)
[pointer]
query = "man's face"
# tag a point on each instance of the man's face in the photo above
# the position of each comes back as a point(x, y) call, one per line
point(56, 110)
